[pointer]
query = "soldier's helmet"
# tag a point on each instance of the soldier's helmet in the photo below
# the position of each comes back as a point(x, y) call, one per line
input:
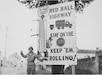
point(30, 48)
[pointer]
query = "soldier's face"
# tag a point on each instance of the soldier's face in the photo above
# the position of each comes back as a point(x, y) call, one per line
point(30, 50)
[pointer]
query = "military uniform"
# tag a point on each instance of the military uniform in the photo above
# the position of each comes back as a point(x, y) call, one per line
point(31, 67)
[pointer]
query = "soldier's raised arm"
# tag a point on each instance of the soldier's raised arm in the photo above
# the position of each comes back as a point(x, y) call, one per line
point(22, 54)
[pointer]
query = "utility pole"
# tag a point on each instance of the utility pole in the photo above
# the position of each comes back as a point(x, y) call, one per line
point(42, 33)
point(6, 35)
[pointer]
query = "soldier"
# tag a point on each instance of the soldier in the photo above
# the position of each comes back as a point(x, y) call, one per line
point(31, 56)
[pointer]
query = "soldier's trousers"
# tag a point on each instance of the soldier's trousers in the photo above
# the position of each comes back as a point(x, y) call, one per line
point(31, 69)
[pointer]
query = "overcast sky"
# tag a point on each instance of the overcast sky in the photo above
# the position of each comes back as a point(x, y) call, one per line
point(19, 21)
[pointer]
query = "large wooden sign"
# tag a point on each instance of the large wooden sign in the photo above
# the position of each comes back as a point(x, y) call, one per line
point(61, 34)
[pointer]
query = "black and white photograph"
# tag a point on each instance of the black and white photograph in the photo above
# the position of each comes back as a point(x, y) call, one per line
point(50, 37)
